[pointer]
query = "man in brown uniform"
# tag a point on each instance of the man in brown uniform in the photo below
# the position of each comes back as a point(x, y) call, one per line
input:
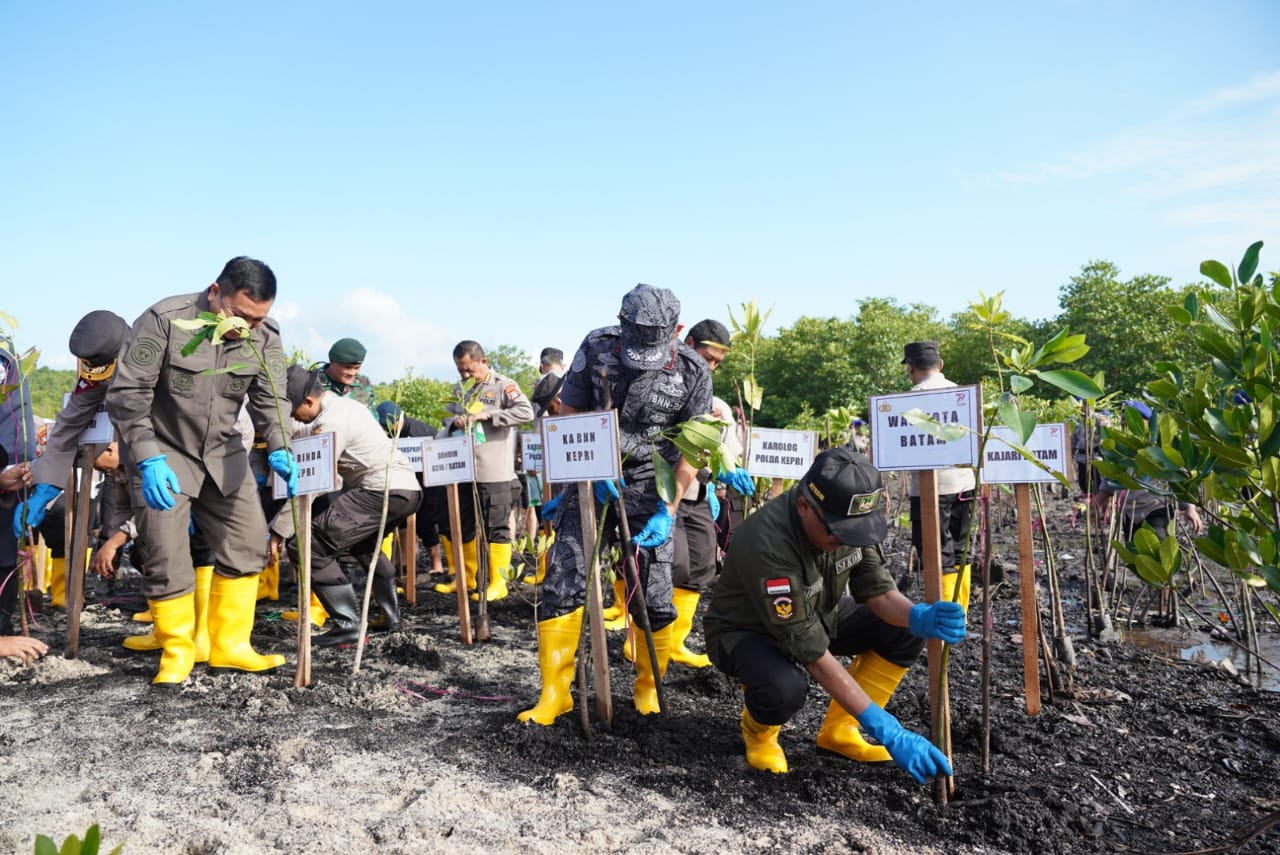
point(174, 401)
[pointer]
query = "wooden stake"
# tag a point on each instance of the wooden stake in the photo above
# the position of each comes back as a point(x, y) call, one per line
point(409, 554)
point(931, 559)
point(455, 559)
point(595, 608)
point(77, 548)
point(1027, 587)
point(302, 674)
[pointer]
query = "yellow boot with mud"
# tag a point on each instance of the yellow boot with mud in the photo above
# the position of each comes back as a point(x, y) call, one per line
point(763, 751)
point(686, 603)
point(58, 582)
point(470, 566)
point(231, 612)
point(879, 678)
point(143, 617)
point(269, 581)
point(499, 563)
point(615, 617)
point(175, 627)
point(645, 693)
point(557, 654)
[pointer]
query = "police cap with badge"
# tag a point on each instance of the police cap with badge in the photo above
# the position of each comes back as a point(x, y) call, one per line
point(96, 342)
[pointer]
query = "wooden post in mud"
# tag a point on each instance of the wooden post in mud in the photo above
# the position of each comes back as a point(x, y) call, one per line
point(77, 545)
point(931, 562)
point(302, 674)
point(595, 607)
point(1027, 588)
point(408, 537)
point(455, 559)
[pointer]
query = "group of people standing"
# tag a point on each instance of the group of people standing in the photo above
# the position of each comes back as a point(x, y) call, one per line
point(180, 387)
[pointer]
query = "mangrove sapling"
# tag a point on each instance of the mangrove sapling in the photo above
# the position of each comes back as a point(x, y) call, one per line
point(23, 574)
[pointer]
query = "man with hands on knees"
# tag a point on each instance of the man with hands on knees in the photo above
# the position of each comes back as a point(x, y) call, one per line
point(175, 401)
point(779, 615)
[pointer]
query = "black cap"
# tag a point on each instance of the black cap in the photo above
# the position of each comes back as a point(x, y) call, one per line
point(710, 332)
point(649, 316)
point(848, 489)
point(921, 351)
point(545, 392)
point(299, 383)
point(98, 336)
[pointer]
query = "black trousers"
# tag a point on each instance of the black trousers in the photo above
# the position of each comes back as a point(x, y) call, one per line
point(776, 687)
point(953, 527)
point(348, 525)
point(694, 566)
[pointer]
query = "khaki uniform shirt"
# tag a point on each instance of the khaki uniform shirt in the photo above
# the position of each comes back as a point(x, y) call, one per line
point(501, 396)
point(185, 407)
point(775, 582)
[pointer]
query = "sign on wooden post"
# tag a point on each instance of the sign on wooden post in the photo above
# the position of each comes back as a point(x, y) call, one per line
point(448, 462)
point(784, 454)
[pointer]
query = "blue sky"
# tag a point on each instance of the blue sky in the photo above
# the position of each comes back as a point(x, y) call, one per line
point(422, 173)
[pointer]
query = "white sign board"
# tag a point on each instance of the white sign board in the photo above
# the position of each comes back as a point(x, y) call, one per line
point(581, 447)
point(775, 453)
point(411, 448)
point(1002, 465)
point(900, 445)
point(98, 430)
point(447, 461)
point(317, 466)
point(531, 450)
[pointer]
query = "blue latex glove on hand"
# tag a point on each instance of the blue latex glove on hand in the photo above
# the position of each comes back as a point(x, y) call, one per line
point(548, 508)
point(657, 530)
point(944, 620)
point(159, 483)
point(738, 479)
point(714, 503)
point(41, 496)
point(282, 463)
point(911, 751)
point(606, 491)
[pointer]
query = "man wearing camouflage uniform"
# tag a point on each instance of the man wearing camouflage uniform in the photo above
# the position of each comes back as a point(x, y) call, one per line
point(654, 382)
point(341, 374)
point(175, 400)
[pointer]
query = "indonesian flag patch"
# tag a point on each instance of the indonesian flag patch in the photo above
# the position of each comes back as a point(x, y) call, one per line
point(773, 587)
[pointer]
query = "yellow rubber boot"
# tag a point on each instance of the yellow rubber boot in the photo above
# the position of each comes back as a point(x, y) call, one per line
point(143, 617)
point(963, 577)
point(615, 617)
point(470, 566)
point(231, 611)
point(645, 693)
point(204, 579)
point(318, 613)
point(629, 645)
point(686, 603)
point(499, 562)
point(175, 627)
point(541, 549)
point(269, 581)
point(878, 677)
point(58, 582)
point(557, 654)
point(763, 750)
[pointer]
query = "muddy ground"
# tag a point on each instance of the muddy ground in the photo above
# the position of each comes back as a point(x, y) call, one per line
point(421, 751)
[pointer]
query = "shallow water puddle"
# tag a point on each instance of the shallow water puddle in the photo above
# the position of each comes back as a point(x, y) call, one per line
point(1192, 647)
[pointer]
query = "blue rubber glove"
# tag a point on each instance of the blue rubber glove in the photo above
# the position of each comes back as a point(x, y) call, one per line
point(606, 491)
point(943, 620)
point(911, 751)
point(714, 503)
point(282, 463)
point(41, 496)
point(738, 479)
point(548, 508)
point(657, 530)
point(159, 483)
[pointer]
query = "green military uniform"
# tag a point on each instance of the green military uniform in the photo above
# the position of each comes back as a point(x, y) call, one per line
point(775, 582)
point(185, 407)
point(361, 390)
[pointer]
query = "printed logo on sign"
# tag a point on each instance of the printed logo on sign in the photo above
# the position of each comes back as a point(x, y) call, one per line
point(777, 586)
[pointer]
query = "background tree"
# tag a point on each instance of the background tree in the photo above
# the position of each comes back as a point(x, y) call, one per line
point(48, 386)
point(969, 346)
point(419, 397)
point(511, 361)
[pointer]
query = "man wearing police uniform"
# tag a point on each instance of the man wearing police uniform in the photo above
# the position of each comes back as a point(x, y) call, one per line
point(778, 616)
point(341, 374)
point(495, 432)
point(176, 412)
point(654, 382)
point(346, 522)
point(95, 342)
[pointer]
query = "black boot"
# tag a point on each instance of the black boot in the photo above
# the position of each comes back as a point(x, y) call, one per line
point(384, 594)
point(344, 614)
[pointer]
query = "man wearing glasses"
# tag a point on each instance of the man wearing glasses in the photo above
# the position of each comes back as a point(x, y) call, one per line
point(779, 615)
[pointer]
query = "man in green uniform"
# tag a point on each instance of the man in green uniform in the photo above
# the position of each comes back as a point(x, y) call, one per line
point(174, 401)
point(779, 615)
point(341, 374)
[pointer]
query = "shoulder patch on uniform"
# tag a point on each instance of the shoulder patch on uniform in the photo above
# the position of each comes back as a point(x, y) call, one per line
point(783, 608)
point(144, 351)
point(579, 361)
point(777, 586)
point(512, 391)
